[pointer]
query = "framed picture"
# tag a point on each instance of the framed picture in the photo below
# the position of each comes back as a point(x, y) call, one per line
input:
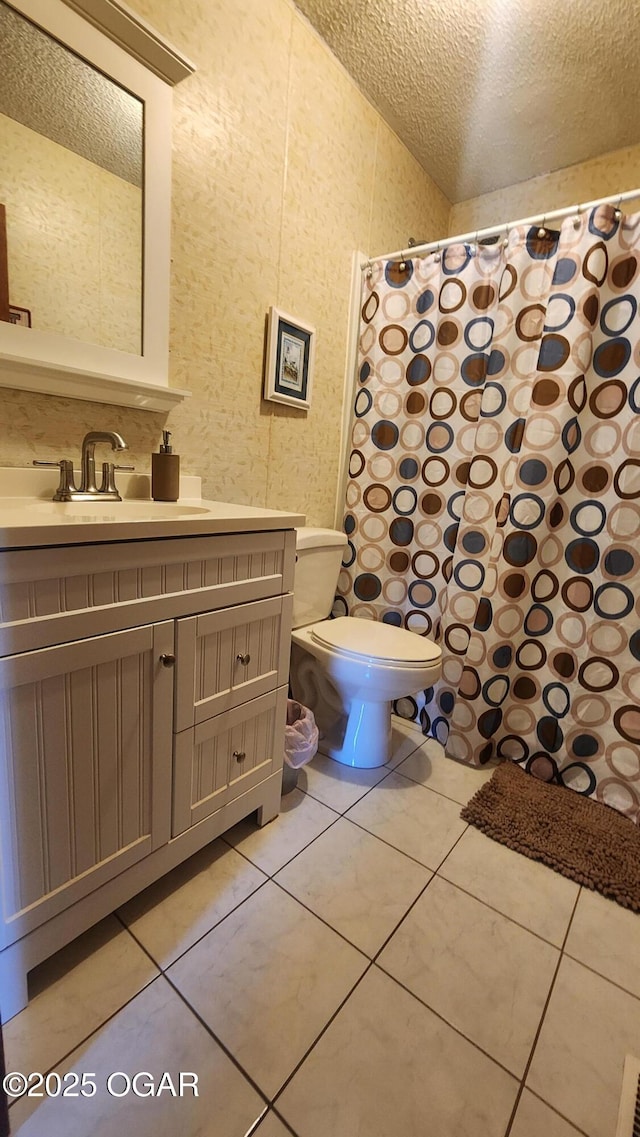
point(19, 316)
point(289, 369)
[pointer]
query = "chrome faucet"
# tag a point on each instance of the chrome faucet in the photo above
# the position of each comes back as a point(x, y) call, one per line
point(88, 490)
point(88, 485)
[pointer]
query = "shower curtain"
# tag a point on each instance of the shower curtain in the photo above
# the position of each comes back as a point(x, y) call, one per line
point(493, 501)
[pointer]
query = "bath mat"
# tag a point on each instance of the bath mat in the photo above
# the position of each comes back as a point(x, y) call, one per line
point(582, 839)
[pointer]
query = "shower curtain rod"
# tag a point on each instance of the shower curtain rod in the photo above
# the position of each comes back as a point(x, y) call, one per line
point(495, 230)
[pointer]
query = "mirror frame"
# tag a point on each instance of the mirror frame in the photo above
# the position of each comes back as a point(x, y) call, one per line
point(113, 39)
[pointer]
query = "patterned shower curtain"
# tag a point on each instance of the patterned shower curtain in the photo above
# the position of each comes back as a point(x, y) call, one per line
point(494, 494)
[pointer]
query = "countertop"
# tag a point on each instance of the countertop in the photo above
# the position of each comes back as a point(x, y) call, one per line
point(25, 523)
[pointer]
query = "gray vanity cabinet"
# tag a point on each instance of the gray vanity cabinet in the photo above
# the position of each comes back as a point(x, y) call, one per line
point(143, 690)
point(86, 776)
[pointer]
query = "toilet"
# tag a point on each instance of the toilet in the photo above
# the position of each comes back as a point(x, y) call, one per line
point(349, 670)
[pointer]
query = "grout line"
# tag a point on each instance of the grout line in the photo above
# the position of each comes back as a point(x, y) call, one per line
point(432, 789)
point(164, 969)
point(253, 1128)
point(438, 1015)
point(573, 1125)
point(541, 1022)
point(390, 770)
point(219, 1043)
point(587, 967)
point(59, 1061)
point(436, 871)
point(270, 876)
point(284, 1122)
point(305, 847)
point(499, 911)
point(341, 813)
point(322, 920)
point(323, 1031)
point(395, 848)
point(418, 897)
point(370, 962)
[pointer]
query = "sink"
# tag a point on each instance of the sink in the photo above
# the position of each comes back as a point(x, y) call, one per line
point(30, 519)
point(116, 510)
point(24, 511)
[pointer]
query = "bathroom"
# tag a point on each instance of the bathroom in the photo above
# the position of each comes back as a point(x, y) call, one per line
point(282, 171)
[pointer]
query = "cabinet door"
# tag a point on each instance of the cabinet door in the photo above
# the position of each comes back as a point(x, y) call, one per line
point(219, 759)
point(85, 767)
point(226, 658)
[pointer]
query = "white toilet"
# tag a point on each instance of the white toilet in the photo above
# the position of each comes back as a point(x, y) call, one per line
point(349, 670)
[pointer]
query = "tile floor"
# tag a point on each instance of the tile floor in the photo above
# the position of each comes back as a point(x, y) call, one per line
point(365, 966)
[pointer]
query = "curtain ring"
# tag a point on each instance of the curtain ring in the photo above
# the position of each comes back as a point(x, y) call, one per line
point(475, 244)
point(505, 239)
point(617, 213)
point(542, 232)
point(436, 255)
point(577, 221)
point(369, 272)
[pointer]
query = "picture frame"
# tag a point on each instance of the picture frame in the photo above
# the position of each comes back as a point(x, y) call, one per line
point(19, 316)
point(290, 358)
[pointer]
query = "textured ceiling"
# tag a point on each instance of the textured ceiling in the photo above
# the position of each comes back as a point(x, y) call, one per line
point(46, 87)
point(486, 93)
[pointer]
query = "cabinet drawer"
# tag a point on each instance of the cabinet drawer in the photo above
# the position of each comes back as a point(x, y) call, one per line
point(223, 757)
point(226, 658)
point(61, 594)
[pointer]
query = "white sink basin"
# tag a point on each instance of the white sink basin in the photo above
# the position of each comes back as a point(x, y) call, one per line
point(24, 511)
point(116, 510)
point(30, 519)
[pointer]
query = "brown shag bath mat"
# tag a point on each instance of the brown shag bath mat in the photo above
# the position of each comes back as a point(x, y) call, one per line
point(582, 839)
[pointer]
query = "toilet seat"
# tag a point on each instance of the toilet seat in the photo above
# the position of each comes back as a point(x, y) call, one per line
point(375, 640)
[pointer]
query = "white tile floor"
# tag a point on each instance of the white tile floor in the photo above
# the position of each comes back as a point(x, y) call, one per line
point(365, 966)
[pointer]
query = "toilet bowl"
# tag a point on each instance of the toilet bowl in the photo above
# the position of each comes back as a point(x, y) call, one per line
point(349, 670)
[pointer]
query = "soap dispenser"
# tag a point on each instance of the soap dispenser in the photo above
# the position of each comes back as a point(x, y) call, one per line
point(165, 472)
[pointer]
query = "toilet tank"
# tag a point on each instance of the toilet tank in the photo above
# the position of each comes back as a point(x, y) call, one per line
point(318, 556)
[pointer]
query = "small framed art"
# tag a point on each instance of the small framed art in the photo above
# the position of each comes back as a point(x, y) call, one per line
point(19, 316)
point(289, 368)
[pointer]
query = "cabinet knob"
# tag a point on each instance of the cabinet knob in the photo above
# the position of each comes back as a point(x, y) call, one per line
point(239, 755)
point(167, 660)
point(243, 657)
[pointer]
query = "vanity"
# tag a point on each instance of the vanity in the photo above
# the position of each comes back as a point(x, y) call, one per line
point(144, 654)
point(144, 647)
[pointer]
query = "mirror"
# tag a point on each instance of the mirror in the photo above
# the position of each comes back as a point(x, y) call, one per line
point(71, 150)
point(85, 166)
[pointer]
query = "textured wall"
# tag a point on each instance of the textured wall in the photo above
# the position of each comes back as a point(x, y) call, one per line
point(612, 173)
point(281, 169)
point(74, 239)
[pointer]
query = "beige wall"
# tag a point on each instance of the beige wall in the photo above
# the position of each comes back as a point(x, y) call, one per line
point(600, 177)
point(281, 169)
point(56, 202)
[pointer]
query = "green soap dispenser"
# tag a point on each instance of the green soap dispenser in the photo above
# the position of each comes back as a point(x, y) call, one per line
point(165, 472)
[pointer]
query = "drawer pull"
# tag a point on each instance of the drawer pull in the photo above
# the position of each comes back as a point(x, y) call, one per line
point(167, 660)
point(239, 755)
point(243, 657)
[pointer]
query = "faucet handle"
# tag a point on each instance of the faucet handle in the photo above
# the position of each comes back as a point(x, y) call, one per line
point(108, 485)
point(66, 485)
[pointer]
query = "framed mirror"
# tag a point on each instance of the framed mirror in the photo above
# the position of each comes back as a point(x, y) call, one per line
point(85, 156)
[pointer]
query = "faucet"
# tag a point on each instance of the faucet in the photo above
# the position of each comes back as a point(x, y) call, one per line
point(88, 490)
point(88, 484)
